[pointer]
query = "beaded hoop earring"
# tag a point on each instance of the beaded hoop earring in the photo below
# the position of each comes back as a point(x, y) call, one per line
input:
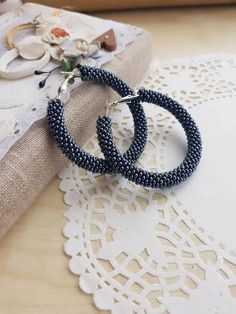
point(143, 177)
point(66, 143)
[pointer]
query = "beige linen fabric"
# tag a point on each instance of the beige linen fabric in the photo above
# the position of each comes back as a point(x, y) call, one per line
point(34, 160)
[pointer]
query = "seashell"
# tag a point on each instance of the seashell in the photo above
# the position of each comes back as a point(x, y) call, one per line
point(31, 48)
point(50, 38)
point(45, 23)
point(55, 52)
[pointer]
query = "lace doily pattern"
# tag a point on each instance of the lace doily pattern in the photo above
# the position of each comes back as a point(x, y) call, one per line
point(138, 250)
point(205, 78)
point(20, 110)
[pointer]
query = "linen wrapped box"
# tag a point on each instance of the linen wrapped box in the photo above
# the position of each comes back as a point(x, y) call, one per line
point(34, 159)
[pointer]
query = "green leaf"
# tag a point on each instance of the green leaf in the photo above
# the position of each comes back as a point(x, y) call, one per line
point(67, 65)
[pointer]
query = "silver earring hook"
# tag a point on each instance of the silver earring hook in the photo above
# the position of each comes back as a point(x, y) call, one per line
point(75, 73)
point(126, 99)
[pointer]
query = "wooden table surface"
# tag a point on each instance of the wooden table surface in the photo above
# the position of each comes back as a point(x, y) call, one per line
point(34, 278)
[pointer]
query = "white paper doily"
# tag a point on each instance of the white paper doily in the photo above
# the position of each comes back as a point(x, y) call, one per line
point(138, 250)
point(22, 102)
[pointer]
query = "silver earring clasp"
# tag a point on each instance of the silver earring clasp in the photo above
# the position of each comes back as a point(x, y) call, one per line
point(125, 99)
point(75, 73)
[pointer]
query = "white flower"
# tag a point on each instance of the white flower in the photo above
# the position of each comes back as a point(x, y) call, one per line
point(51, 29)
point(56, 33)
point(78, 47)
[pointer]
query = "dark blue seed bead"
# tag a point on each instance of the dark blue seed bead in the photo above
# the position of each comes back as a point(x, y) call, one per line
point(175, 176)
point(58, 129)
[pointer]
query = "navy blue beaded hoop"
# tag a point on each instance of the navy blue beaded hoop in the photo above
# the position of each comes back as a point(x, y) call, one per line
point(64, 140)
point(143, 177)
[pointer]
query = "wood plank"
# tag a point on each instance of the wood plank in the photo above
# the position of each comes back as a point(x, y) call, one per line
point(33, 268)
